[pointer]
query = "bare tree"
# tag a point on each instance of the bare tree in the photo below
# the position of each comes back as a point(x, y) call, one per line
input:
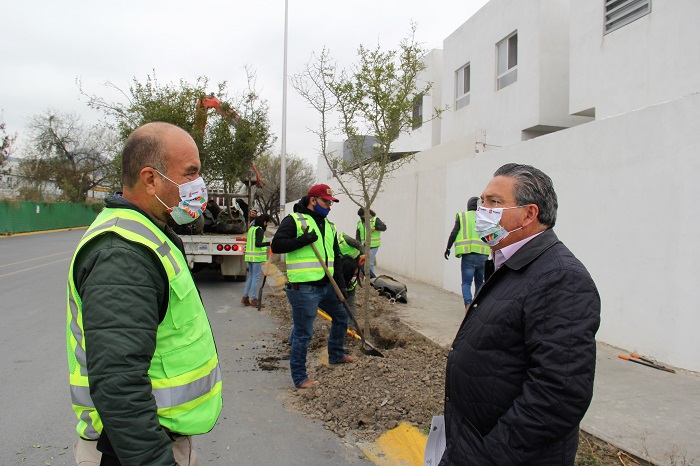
point(6, 144)
point(373, 101)
point(313, 83)
point(63, 151)
point(300, 175)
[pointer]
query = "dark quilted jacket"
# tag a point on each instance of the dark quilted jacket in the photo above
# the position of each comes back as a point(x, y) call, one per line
point(520, 371)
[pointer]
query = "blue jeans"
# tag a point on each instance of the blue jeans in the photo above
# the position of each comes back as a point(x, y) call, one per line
point(372, 260)
point(305, 303)
point(251, 283)
point(472, 269)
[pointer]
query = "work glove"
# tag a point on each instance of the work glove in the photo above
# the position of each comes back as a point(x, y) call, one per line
point(308, 238)
point(447, 254)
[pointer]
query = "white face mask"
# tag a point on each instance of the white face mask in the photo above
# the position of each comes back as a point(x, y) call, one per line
point(193, 201)
point(488, 224)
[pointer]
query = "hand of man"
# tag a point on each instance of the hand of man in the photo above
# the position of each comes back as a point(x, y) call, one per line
point(447, 254)
point(308, 238)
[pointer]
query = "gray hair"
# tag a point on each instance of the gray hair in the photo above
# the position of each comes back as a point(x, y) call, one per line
point(533, 186)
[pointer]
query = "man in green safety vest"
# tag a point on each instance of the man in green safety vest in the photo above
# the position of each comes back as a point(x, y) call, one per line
point(144, 371)
point(255, 256)
point(470, 248)
point(308, 288)
point(376, 227)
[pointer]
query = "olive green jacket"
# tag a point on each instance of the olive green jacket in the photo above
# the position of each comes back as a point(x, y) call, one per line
point(124, 293)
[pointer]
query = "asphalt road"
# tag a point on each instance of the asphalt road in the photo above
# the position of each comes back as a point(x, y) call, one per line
point(36, 422)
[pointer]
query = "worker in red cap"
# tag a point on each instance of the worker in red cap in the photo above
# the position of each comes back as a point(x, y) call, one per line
point(308, 288)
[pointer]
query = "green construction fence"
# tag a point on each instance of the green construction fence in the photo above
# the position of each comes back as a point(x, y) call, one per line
point(23, 216)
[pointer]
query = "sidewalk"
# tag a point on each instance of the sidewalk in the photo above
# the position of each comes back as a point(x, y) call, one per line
point(649, 413)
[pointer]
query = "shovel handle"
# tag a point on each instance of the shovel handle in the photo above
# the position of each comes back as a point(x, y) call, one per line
point(350, 331)
point(260, 291)
point(655, 364)
point(338, 292)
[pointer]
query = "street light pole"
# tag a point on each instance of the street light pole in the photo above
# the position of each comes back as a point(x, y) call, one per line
point(283, 154)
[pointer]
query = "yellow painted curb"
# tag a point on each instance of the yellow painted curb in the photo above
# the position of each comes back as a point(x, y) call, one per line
point(401, 446)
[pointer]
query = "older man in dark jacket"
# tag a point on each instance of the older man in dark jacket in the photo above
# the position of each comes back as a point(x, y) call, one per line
point(520, 371)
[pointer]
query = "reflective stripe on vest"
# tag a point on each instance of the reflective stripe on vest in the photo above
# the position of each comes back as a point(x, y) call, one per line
point(468, 242)
point(165, 397)
point(375, 238)
point(345, 248)
point(253, 253)
point(189, 400)
point(302, 264)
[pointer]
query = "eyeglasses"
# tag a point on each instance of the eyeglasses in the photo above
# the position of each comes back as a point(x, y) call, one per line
point(325, 201)
point(491, 203)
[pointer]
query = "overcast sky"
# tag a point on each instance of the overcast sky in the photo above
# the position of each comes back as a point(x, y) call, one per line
point(45, 45)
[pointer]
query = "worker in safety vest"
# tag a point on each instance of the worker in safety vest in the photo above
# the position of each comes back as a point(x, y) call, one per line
point(308, 288)
point(255, 255)
point(376, 227)
point(470, 248)
point(351, 259)
point(144, 371)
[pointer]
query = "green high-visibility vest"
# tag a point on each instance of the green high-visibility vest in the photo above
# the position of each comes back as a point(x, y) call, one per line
point(253, 253)
point(375, 238)
point(468, 242)
point(345, 248)
point(184, 372)
point(302, 264)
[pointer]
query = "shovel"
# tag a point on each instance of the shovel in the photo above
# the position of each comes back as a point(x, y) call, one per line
point(371, 350)
point(351, 332)
point(260, 293)
point(648, 364)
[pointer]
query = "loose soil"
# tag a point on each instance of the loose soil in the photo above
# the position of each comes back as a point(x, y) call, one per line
point(365, 399)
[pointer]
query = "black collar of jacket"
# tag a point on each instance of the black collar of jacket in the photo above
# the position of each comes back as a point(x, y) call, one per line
point(522, 257)
point(532, 249)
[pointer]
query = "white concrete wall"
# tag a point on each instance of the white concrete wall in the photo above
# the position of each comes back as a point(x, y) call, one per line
point(654, 59)
point(538, 98)
point(428, 135)
point(323, 171)
point(626, 210)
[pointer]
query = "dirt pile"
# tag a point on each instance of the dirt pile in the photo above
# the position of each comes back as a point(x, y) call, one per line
point(374, 394)
point(369, 397)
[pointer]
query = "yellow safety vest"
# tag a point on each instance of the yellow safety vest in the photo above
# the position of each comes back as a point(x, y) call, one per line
point(375, 238)
point(468, 242)
point(345, 248)
point(184, 372)
point(302, 264)
point(253, 253)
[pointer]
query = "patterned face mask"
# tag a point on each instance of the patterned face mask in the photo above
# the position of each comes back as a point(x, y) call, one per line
point(193, 201)
point(488, 224)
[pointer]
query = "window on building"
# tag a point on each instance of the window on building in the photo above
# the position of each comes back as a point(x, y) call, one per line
point(417, 111)
point(507, 53)
point(463, 86)
point(621, 12)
